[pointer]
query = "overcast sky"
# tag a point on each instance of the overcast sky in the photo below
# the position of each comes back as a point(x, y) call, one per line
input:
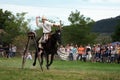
point(60, 9)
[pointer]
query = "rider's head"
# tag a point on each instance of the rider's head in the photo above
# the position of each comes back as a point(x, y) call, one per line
point(43, 19)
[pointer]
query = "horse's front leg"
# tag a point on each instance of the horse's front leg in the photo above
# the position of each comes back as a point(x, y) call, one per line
point(51, 59)
point(36, 55)
point(47, 61)
point(41, 62)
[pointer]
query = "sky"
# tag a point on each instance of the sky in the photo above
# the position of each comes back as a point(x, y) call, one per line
point(61, 9)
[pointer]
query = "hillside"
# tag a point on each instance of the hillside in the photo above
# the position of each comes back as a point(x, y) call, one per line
point(106, 25)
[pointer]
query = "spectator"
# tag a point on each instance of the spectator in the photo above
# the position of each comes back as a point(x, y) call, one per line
point(103, 56)
point(118, 53)
point(1, 51)
point(10, 51)
point(113, 52)
point(61, 52)
point(81, 52)
point(14, 48)
point(29, 56)
point(93, 53)
point(108, 52)
point(67, 49)
point(88, 52)
point(71, 52)
point(75, 52)
point(7, 50)
point(62, 49)
point(97, 53)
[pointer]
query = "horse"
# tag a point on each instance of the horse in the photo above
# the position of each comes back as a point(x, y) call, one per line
point(49, 48)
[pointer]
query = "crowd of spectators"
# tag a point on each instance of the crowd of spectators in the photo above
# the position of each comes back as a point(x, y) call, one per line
point(97, 53)
point(8, 50)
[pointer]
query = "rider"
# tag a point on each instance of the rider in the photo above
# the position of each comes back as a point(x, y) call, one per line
point(46, 25)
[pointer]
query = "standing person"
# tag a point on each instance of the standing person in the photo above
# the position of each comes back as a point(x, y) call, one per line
point(71, 52)
point(29, 56)
point(113, 52)
point(7, 50)
point(61, 52)
point(62, 49)
point(10, 51)
point(67, 50)
point(14, 48)
point(118, 53)
point(97, 53)
point(93, 52)
point(81, 51)
point(88, 52)
point(75, 52)
point(47, 28)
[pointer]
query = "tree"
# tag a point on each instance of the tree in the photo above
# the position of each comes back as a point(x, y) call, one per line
point(22, 24)
point(77, 35)
point(6, 20)
point(20, 41)
point(77, 18)
point(74, 17)
point(13, 25)
point(22, 29)
point(116, 35)
point(4, 17)
point(79, 32)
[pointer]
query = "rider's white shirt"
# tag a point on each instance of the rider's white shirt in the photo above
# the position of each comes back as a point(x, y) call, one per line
point(46, 26)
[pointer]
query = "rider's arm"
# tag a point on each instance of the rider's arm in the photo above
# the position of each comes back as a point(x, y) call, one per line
point(52, 24)
point(57, 25)
point(37, 20)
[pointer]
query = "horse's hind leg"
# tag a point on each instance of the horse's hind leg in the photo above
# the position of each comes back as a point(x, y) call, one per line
point(40, 59)
point(41, 62)
point(36, 55)
point(47, 61)
point(51, 59)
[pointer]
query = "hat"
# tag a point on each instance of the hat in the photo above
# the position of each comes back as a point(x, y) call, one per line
point(44, 18)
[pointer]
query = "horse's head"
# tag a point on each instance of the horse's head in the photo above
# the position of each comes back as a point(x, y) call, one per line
point(57, 36)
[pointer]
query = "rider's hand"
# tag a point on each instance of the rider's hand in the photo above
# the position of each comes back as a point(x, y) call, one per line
point(38, 17)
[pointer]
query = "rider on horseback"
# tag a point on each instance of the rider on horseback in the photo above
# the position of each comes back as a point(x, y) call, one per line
point(46, 25)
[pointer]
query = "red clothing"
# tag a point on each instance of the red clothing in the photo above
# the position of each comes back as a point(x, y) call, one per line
point(81, 50)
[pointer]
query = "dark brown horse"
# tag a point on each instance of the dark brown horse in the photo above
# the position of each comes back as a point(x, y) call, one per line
point(49, 48)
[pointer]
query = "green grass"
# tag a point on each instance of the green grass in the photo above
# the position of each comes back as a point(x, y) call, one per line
point(10, 69)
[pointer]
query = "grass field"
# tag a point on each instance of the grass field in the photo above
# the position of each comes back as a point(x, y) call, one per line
point(10, 69)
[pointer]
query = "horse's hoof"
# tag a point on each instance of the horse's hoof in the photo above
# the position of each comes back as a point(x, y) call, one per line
point(41, 68)
point(47, 67)
point(34, 64)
